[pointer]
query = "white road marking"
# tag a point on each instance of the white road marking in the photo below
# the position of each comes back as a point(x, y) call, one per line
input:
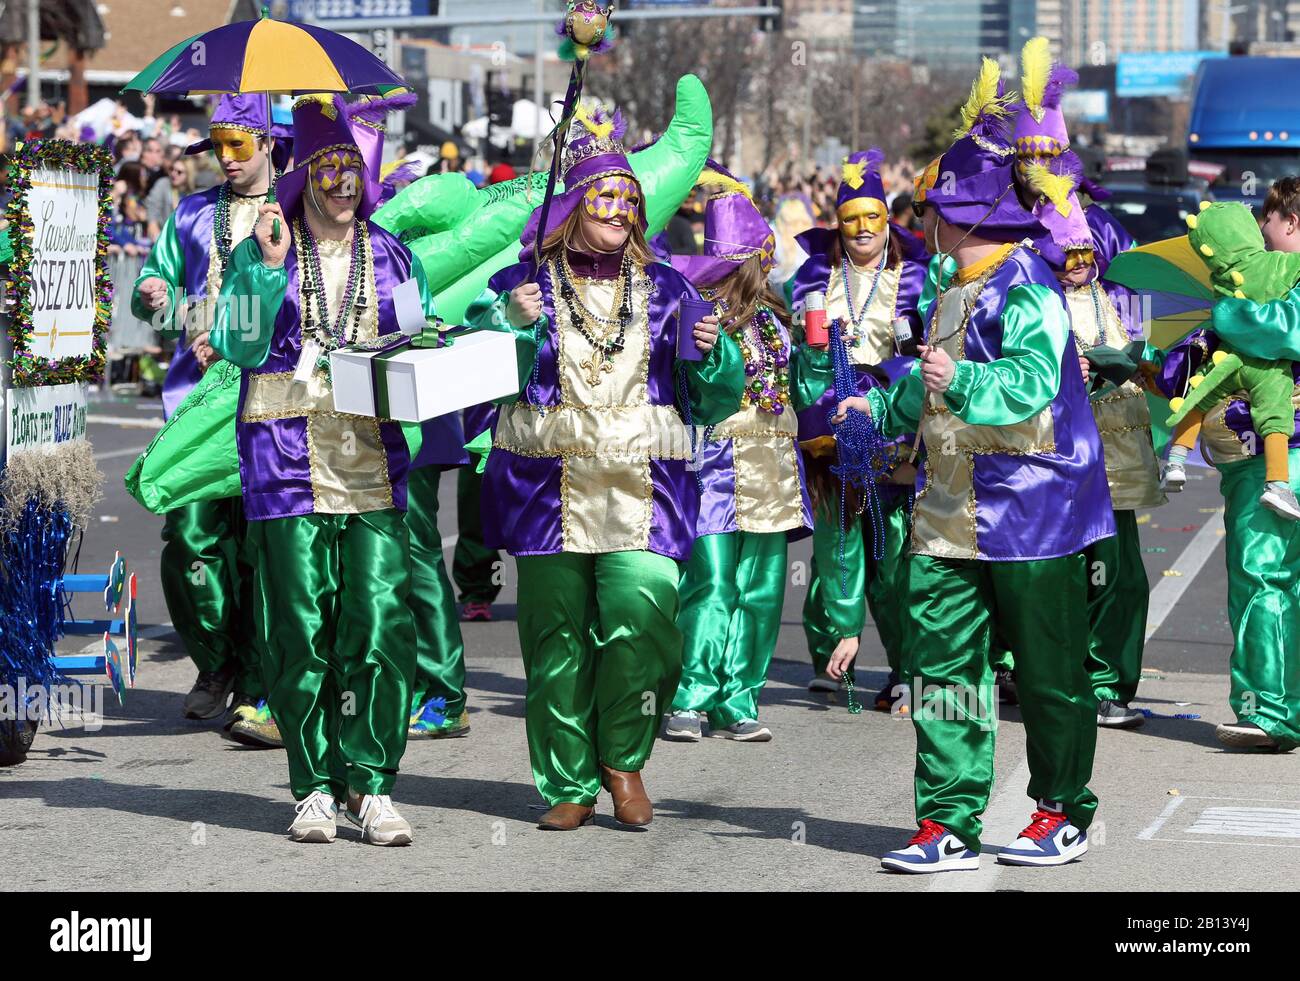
point(128, 422)
point(1248, 822)
point(1149, 832)
point(1170, 589)
point(114, 454)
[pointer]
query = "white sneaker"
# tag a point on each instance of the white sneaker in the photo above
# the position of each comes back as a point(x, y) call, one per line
point(1050, 839)
point(1280, 499)
point(378, 820)
point(1175, 477)
point(684, 727)
point(932, 849)
point(316, 820)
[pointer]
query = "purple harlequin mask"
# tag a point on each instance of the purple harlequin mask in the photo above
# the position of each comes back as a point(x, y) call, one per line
point(616, 197)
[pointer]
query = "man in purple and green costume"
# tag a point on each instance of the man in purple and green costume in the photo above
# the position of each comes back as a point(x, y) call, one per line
point(324, 492)
point(438, 691)
point(871, 274)
point(1078, 246)
point(1013, 491)
point(588, 482)
point(207, 581)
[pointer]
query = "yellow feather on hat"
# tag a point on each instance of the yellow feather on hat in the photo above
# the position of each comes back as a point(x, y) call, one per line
point(1056, 187)
point(326, 101)
point(983, 99)
point(584, 114)
point(725, 184)
point(1035, 69)
point(854, 173)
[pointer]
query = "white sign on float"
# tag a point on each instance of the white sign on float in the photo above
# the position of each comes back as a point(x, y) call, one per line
point(64, 207)
point(45, 417)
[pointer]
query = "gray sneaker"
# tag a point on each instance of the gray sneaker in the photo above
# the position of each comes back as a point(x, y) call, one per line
point(745, 731)
point(316, 820)
point(1244, 735)
point(684, 727)
point(378, 820)
point(1117, 715)
point(1279, 498)
point(207, 699)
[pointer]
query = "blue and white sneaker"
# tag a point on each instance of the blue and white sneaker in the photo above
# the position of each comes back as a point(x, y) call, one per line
point(1050, 839)
point(932, 849)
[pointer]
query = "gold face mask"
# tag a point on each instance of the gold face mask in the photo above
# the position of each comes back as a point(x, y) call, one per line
point(233, 144)
point(1078, 257)
point(859, 215)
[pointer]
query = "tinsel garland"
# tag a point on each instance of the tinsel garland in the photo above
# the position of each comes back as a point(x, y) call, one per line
point(32, 555)
point(30, 370)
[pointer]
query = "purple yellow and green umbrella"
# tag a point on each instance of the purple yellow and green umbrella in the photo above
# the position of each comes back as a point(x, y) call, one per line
point(268, 56)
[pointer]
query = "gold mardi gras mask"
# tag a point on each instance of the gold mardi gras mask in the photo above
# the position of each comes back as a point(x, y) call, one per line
point(614, 197)
point(858, 215)
point(1078, 257)
point(337, 169)
point(234, 144)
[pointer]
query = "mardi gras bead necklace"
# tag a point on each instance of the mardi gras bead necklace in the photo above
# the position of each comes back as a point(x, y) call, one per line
point(317, 321)
point(613, 333)
point(857, 318)
point(222, 233)
point(766, 363)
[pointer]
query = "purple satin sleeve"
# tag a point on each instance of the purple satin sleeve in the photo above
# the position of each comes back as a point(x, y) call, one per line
point(1182, 361)
point(911, 280)
point(193, 224)
point(479, 418)
point(670, 286)
point(182, 375)
point(547, 389)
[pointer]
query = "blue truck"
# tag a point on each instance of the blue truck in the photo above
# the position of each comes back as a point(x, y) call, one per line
point(1246, 118)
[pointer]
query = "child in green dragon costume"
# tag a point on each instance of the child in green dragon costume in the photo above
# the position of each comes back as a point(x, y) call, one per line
point(1228, 240)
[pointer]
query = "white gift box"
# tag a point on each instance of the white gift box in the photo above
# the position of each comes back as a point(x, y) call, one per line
point(424, 383)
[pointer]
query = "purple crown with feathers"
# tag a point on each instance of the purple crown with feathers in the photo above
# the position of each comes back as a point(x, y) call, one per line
point(587, 157)
point(1041, 131)
point(863, 170)
point(367, 120)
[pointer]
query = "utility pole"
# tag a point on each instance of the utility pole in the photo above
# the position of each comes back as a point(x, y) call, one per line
point(33, 53)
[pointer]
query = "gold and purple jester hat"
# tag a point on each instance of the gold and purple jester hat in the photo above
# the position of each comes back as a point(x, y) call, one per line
point(1044, 163)
point(322, 135)
point(734, 231)
point(973, 183)
point(593, 159)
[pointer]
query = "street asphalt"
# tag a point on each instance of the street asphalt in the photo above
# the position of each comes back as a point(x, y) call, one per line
point(152, 801)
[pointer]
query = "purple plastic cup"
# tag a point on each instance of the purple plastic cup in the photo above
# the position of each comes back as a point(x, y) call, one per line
point(690, 312)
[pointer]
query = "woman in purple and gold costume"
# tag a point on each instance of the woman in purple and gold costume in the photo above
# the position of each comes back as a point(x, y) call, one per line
point(588, 482)
point(325, 492)
point(871, 275)
point(206, 579)
point(753, 498)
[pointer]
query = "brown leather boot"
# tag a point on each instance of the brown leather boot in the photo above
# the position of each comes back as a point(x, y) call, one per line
point(567, 817)
point(631, 804)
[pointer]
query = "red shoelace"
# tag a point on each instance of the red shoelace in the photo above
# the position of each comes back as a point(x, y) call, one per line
point(1044, 824)
point(929, 833)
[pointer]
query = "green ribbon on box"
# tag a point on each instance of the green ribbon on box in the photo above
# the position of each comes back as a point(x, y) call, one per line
point(432, 337)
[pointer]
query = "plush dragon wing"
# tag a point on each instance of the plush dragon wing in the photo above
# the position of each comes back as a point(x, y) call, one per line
point(461, 239)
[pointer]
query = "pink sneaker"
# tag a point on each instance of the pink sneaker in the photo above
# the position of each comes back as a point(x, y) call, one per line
point(476, 613)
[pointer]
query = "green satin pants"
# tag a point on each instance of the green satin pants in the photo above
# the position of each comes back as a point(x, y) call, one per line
point(439, 649)
point(1118, 596)
point(602, 655)
point(1041, 608)
point(475, 567)
point(831, 614)
point(1263, 558)
point(332, 597)
point(731, 596)
point(208, 584)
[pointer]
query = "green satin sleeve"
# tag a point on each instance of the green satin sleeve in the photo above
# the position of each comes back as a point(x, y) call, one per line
point(937, 274)
point(811, 374)
point(1035, 331)
point(488, 312)
point(1268, 330)
point(897, 409)
point(166, 262)
point(716, 384)
point(248, 345)
point(787, 291)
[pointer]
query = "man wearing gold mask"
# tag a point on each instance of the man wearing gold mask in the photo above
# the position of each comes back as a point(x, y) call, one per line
point(870, 275)
point(206, 579)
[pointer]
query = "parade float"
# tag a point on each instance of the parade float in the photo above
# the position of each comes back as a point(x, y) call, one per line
point(57, 308)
